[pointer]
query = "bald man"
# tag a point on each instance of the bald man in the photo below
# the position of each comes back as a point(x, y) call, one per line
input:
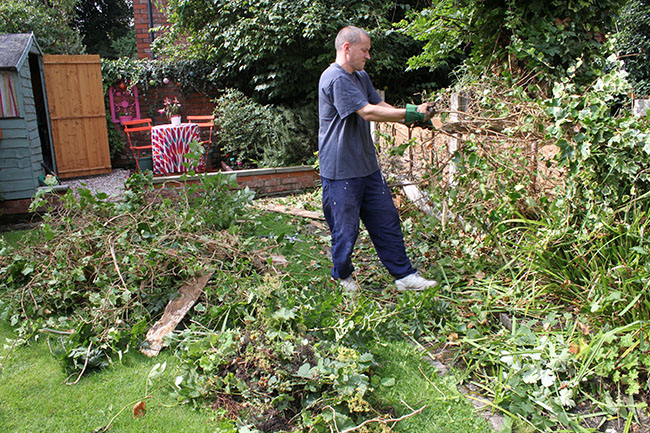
point(353, 187)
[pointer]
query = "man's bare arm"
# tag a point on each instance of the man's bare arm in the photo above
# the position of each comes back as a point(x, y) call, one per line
point(384, 112)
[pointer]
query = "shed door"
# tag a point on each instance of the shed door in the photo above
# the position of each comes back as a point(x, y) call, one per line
point(78, 117)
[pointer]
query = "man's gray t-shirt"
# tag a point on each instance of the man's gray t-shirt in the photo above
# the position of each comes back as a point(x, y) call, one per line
point(345, 148)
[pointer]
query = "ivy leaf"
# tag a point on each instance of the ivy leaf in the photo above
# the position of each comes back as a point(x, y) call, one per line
point(548, 378)
point(565, 398)
point(284, 314)
point(305, 371)
point(155, 372)
point(532, 376)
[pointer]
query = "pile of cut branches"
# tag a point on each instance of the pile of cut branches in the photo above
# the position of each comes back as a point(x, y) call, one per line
point(102, 270)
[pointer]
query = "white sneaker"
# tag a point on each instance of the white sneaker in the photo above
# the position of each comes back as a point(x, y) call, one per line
point(349, 284)
point(414, 282)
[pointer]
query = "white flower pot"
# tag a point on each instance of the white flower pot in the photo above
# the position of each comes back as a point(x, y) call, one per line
point(176, 120)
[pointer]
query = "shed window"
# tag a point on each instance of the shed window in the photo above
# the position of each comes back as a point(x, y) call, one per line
point(8, 104)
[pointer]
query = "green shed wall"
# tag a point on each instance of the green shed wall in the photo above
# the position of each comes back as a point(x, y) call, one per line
point(20, 145)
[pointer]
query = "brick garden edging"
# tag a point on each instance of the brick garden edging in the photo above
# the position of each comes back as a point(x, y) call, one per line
point(264, 181)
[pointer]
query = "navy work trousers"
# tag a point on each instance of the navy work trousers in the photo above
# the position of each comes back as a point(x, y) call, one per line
point(367, 198)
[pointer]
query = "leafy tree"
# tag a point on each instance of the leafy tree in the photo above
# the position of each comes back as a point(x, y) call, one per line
point(277, 49)
point(125, 46)
point(633, 43)
point(102, 22)
point(543, 36)
point(50, 22)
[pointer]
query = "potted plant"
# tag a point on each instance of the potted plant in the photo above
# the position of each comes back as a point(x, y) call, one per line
point(172, 109)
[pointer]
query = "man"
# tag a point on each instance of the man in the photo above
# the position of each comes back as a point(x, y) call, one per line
point(353, 186)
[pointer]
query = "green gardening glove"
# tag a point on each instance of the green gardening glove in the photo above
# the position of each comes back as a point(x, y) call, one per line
point(414, 117)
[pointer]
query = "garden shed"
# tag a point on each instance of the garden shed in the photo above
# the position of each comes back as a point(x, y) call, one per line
point(25, 132)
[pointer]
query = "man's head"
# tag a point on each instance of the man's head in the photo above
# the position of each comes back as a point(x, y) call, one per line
point(352, 48)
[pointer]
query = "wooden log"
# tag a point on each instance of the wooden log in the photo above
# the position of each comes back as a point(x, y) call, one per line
point(296, 212)
point(174, 313)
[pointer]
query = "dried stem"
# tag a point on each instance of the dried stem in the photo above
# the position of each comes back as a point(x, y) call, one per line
point(378, 420)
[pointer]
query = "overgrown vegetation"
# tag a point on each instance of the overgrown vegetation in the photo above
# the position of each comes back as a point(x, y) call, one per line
point(539, 239)
point(275, 50)
point(269, 350)
point(633, 45)
point(553, 304)
point(546, 38)
point(252, 134)
point(50, 22)
point(72, 26)
point(105, 26)
point(190, 74)
point(112, 264)
point(543, 300)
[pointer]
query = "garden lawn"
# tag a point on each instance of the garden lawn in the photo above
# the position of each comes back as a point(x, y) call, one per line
point(34, 397)
point(417, 383)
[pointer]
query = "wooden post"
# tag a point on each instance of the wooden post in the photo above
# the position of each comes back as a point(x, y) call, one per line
point(640, 106)
point(534, 148)
point(459, 103)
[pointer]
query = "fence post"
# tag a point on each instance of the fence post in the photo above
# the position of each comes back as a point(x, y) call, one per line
point(640, 106)
point(534, 149)
point(459, 103)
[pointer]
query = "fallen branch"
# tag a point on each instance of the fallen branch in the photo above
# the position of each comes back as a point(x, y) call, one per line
point(117, 268)
point(4, 359)
point(174, 313)
point(444, 397)
point(84, 367)
point(56, 331)
point(107, 427)
point(379, 420)
point(294, 211)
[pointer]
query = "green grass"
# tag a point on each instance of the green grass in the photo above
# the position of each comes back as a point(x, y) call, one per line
point(15, 237)
point(34, 397)
point(417, 384)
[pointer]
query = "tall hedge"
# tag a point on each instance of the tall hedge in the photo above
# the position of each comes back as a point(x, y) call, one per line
point(633, 44)
point(275, 50)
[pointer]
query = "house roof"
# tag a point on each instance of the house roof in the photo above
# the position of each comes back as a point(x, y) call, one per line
point(14, 48)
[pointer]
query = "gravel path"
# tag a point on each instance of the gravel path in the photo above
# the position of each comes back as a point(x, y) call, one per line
point(111, 183)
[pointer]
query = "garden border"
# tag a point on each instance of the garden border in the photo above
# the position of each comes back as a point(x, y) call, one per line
point(264, 181)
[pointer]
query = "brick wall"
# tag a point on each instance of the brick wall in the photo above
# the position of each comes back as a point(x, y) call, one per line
point(143, 24)
point(192, 103)
point(278, 180)
point(264, 181)
point(151, 100)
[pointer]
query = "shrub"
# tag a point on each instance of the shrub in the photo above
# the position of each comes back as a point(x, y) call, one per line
point(633, 43)
point(253, 134)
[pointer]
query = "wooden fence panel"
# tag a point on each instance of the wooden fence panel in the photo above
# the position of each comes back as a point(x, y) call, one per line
point(78, 117)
